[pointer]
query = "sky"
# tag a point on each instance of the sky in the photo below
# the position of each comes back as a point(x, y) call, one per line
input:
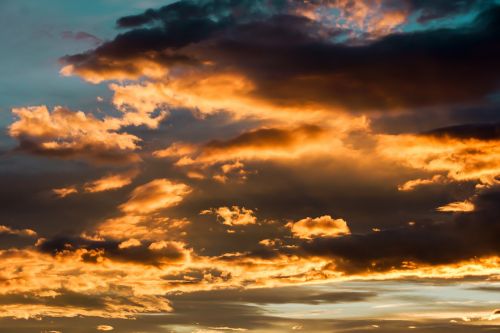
point(267, 166)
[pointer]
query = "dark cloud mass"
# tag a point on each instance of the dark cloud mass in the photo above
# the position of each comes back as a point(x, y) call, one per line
point(466, 236)
point(290, 62)
point(469, 131)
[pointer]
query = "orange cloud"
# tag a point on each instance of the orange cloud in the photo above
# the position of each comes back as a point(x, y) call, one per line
point(155, 195)
point(206, 92)
point(19, 232)
point(233, 216)
point(260, 144)
point(324, 226)
point(129, 243)
point(139, 219)
point(68, 134)
point(65, 191)
point(364, 17)
point(414, 183)
point(461, 159)
point(459, 206)
point(111, 182)
point(140, 227)
point(113, 69)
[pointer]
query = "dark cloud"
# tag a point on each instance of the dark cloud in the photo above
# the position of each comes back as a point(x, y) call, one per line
point(469, 131)
point(175, 25)
point(265, 137)
point(488, 289)
point(284, 295)
point(290, 63)
point(64, 298)
point(98, 154)
point(111, 249)
point(468, 236)
point(454, 66)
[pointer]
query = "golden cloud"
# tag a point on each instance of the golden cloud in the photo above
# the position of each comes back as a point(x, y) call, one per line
point(459, 206)
point(68, 134)
point(65, 191)
point(155, 195)
point(110, 182)
point(19, 232)
point(460, 159)
point(324, 226)
point(233, 216)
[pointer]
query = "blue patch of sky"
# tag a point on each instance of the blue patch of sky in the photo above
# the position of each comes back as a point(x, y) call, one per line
point(32, 42)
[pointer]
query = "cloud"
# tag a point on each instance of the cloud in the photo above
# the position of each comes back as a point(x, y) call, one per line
point(295, 59)
point(324, 226)
point(66, 134)
point(19, 232)
point(129, 243)
point(141, 227)
point(233, 216)
point(258, 144)
point(281, 95)
point(468, 131)
point(467, 236)
point(462, 159)
point(65, 191)
point(414, 183)
point(105, 328)
point(155, 195)
point(459, 206)
point(110, 182)
point(98, 251)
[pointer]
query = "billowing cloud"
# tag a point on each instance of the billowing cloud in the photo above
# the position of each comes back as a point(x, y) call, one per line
point(67, 134)
point(280, 40)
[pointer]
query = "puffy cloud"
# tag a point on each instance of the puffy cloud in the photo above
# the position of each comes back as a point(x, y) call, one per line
point(233, 216)
point(461, 159)
point(65, 285)
point(155, 195)
point(129, 243)
point(324, 226)
point(105, 328)
point(67, 134)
